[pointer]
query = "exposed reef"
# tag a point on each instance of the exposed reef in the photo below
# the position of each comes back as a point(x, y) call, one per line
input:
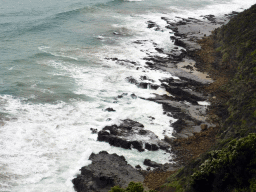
point(131, 134)
point(105, 171)
point(210, 70)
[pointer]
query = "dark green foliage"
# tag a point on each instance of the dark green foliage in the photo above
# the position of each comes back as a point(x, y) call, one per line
point(237, 40)
point(132, 187)
point(229, 168)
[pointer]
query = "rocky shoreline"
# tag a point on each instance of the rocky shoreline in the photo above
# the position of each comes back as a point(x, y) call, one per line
point(187, 99)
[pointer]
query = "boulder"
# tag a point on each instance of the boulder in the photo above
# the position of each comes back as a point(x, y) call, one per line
point(131, 134)
point(110, 109)
point(150, 163)
point(106, 171)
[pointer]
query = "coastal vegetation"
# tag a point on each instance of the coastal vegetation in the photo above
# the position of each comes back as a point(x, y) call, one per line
point(132, 187)
point(230, 164)
point(220, 157)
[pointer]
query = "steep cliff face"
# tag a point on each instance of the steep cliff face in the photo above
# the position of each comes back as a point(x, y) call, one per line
point(230, 166)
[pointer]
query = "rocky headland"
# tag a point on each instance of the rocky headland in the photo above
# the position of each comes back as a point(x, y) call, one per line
point(215, 66)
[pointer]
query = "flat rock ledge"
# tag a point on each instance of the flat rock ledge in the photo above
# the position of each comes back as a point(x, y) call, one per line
point(131, 134)
point(106, 171)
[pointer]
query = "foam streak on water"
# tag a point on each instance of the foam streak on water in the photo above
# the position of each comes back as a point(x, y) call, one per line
point(59, 73)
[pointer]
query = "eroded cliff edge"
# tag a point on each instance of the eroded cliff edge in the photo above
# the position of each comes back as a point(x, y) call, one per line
point(229, 56)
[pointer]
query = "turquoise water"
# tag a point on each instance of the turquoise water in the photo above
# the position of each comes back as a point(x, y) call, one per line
point(56, 81)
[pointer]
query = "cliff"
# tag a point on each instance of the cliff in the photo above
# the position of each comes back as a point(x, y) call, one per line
point(229, 56)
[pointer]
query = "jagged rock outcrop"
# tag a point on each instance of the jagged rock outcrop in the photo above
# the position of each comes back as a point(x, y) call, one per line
point(131, 134)
point(106, 171)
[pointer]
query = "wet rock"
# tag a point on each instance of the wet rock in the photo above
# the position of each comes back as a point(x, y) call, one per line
point(189, 67)
point(190, 46)
point(131, 80)
point(131, 134)
point(210, 18)
point(173, 28)
point(152, 24)
point(150, 64)
point(110, 109)
point(133, 96)
point(150, 163)
point(146, 78)
point(177, 55)
point(106, 171)
point(151, 147)
point(142, 132)
point(122, 95)
point(157, 59)
point(152, 118)
point(145, 85)
point(122, 61)
point(138, 167)
point(179, 125)
point(94, 131)
point(140, 41)
point(159, 50)
point(182, 95)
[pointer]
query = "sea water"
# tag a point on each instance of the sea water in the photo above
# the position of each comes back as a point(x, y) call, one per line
point(57, 78)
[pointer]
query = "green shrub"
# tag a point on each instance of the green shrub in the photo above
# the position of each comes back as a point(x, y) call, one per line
point(132, 187)
point(233, 167)
point(225, 57)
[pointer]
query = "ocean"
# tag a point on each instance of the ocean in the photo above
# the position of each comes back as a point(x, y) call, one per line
point(62, 63)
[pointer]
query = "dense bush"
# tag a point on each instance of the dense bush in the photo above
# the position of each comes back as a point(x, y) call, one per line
point(233, 167)
point(132, 187)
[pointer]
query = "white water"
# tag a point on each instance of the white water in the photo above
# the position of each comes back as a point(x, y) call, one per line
point(44, 144)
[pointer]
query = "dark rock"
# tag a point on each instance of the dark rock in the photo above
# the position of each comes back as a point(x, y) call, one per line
point(181, 95)
point(179, 125)
point(153, 118)
point(189, 67)
point(140, 41)
point(148, 86)
point(133, 96)
point(142, 132)
point(106, 171)
point(138, 167)
point(150, 163)
point(159, 50)
point(110, 109)
point(151, 147)
point(146, 78)
point(121, 96)
point(130, 123)
point(151, 65)
point(190, 46)
point(131, 80)
point(94, 131)
point(173, 28)
point(157, 59)
point(122, 61)
point(148, 169)
point(177, 55)
point(152, 24)
point(165, 19)
point(131, 134)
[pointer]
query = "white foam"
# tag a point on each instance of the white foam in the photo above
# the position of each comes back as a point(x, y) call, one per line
point(43, 146)
point(216, 8)
point(205, 103)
